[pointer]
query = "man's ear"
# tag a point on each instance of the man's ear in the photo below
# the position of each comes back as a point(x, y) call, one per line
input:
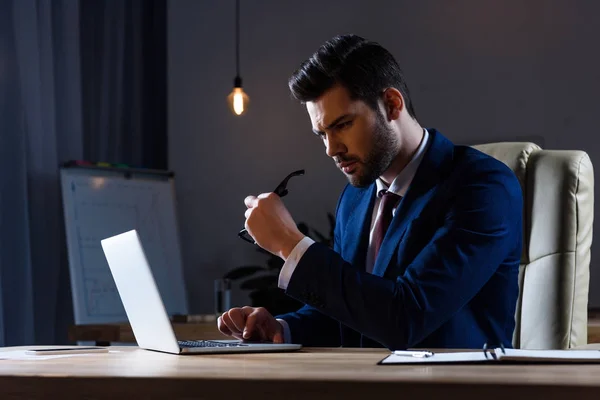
point(393, 103)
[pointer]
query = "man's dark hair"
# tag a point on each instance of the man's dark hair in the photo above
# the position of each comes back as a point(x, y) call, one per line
point(363, 67)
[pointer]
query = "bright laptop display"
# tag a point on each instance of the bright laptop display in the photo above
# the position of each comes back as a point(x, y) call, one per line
point(145, 310)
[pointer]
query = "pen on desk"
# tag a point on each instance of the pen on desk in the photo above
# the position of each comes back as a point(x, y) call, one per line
point(416, 354)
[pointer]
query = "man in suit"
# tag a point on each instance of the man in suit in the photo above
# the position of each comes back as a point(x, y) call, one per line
point(427, 236)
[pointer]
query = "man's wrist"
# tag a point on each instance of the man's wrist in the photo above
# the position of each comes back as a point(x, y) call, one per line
point(289, 266)
point(290, 245)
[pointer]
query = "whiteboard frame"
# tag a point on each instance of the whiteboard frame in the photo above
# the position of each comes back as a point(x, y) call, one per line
point(80, 310)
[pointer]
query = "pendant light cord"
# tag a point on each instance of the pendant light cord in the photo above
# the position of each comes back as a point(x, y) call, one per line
point(237, 38)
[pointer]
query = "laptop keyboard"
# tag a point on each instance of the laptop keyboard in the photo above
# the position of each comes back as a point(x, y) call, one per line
point(207, 343)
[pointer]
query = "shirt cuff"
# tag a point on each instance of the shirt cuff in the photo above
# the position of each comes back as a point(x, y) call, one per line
point(292, 261)
point(287, 335)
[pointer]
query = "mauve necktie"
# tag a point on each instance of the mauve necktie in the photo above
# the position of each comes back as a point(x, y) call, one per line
point(386, 206)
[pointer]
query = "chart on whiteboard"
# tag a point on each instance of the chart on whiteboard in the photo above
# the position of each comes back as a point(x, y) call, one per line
point(101, 206)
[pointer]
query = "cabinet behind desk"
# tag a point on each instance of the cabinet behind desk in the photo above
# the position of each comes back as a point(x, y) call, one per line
point(104, 334)
point(203, 328)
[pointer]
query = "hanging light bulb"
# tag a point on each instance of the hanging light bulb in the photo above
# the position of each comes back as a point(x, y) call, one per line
point(238, 100)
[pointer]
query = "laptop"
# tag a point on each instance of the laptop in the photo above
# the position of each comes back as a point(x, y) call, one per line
point(146, 311)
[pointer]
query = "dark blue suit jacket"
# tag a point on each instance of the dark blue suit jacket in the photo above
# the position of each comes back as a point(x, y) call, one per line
point(446, 275)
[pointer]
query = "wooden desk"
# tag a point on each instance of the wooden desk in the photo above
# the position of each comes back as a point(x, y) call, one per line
point(310, 373)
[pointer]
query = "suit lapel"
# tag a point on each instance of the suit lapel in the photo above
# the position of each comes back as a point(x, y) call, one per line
point(357, 233)
point(422, 188)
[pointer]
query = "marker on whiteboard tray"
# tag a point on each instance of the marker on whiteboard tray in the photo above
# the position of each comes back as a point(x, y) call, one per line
point(82, 162)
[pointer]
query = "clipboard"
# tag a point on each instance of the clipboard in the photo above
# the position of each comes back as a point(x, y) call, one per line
point(491, 356)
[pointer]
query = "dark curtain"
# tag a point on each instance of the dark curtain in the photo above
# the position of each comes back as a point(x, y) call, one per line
point(123, 63)
point(79, 79)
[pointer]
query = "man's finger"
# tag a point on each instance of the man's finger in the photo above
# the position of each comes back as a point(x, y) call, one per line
point(277, 337)
point(264, 195)
point(223, 328)
point(230, 325)
point(238, 317)
point(250, 325)
point(250, 201)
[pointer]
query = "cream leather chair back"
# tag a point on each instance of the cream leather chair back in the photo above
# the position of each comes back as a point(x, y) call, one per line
point(558, 193)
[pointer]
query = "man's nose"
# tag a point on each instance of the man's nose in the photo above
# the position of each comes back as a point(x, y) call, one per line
point(333, 146)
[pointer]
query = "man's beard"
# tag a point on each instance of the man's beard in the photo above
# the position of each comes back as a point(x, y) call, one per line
point(380, 157)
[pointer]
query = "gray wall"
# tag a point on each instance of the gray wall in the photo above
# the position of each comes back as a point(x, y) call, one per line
point(478, 71)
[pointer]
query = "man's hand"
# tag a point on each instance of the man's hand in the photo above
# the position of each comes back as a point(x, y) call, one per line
point(271, 225)
point(253, 324)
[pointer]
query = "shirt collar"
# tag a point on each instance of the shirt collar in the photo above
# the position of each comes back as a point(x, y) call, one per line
point(403, 180)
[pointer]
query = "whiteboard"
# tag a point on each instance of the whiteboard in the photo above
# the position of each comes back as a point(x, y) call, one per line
point(102, 202)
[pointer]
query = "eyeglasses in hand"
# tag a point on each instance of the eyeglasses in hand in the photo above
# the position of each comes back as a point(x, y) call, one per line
point(281, 191)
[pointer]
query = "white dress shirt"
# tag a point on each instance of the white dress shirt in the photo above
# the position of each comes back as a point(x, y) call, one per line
point(399, 186)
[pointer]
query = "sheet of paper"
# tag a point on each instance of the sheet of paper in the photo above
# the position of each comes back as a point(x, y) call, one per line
point(476, 356)
point(550, 355)
point(20, 355)
point(510, 355)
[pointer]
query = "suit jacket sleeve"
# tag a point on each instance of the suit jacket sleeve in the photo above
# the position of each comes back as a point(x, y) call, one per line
point(479, 231)
point(309, 327)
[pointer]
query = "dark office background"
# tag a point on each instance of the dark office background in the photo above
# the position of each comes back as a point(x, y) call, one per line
point(79, 80)
point(118, 80)
point(478, 71)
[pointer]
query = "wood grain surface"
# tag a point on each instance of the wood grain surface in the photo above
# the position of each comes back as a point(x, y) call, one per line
point(307, 374)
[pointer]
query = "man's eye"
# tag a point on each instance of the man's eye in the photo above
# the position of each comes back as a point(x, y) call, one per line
point(344, 125)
